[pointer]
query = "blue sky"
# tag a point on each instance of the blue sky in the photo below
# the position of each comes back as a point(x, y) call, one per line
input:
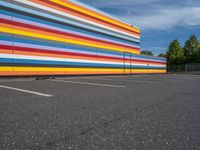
point(161, 21)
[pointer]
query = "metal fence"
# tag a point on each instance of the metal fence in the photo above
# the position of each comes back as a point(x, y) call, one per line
point(184, 68)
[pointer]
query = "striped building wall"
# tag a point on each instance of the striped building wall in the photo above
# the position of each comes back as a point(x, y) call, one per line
point(60, 37)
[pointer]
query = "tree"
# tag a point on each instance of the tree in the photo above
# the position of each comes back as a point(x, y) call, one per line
point(175, 53)
point(198, 55)
point(147, 52)
point(162, 55)
point(191, 49)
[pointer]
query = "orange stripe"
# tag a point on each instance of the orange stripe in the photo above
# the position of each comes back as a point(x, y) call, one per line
point(5, 25)
point(14, 73)
point(2, 51)
point(151, 63)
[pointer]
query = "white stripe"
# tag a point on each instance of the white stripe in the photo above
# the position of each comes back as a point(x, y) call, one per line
point(73, 17)
point(89, 83)
point(146, 65)
point(146, 59)
point(25, 91)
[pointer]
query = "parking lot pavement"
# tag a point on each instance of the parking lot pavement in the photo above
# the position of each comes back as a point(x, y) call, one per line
point(101, 112)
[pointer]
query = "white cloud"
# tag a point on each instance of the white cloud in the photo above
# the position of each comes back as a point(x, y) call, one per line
point(112, 3)
point(156, 49)
point(107, 3)
point(168, 18)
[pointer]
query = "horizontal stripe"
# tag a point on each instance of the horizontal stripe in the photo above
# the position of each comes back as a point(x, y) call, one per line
point(69, 61)
point(70, 31)
point(44, 44)
point(41, 44)
point(70, 55)
point(24, 73)
point(87, 10)
point(35, 64)
point(43, 69)
point(55, 20)
point(71, 11)
point(59, 27)
point(14, 23)
point(73, 18)
point(52, 38)
point(80, 50)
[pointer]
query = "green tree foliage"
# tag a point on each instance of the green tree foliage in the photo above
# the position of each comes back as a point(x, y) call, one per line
point(191, 49)
point(198, 55)
point(162, 55)
point(175, 53)
point(147, 52)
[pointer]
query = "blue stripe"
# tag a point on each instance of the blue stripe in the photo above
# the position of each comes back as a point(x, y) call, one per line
point(6, 60)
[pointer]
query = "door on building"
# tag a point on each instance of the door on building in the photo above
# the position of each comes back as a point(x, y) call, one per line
point(127, 62)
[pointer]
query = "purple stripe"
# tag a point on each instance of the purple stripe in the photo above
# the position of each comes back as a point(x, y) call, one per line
point(5, 17)
point(6, 43)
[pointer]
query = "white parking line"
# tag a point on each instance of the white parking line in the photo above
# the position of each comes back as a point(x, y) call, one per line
point(125, 80)
point(3, 81)
point(89, 83)
point(108, 79)
point(25, 91)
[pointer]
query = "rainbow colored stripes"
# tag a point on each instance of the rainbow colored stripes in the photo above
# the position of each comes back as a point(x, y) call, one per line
point(58, 37)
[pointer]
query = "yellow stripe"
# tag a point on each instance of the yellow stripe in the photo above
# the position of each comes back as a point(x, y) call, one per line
point(6, 68)
point(94, 15)
point(63, 69)
point(53, 38)
point(148, 71)
point(41, 69)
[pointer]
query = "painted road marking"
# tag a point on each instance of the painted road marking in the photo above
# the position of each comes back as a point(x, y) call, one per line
point(108, 79)
point(2, 81)
point(123, 80)
point(89, 83)
point(139, 79)
point(26, 91)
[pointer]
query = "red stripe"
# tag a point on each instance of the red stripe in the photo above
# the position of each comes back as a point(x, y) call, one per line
point(62, 33)
point(148, 61)
point(5, 47)
point(75, 11)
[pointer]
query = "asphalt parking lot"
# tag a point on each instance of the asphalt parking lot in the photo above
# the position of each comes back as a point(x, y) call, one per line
point(136, 112)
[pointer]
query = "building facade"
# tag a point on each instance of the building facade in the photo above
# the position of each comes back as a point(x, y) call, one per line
point(64, 37)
